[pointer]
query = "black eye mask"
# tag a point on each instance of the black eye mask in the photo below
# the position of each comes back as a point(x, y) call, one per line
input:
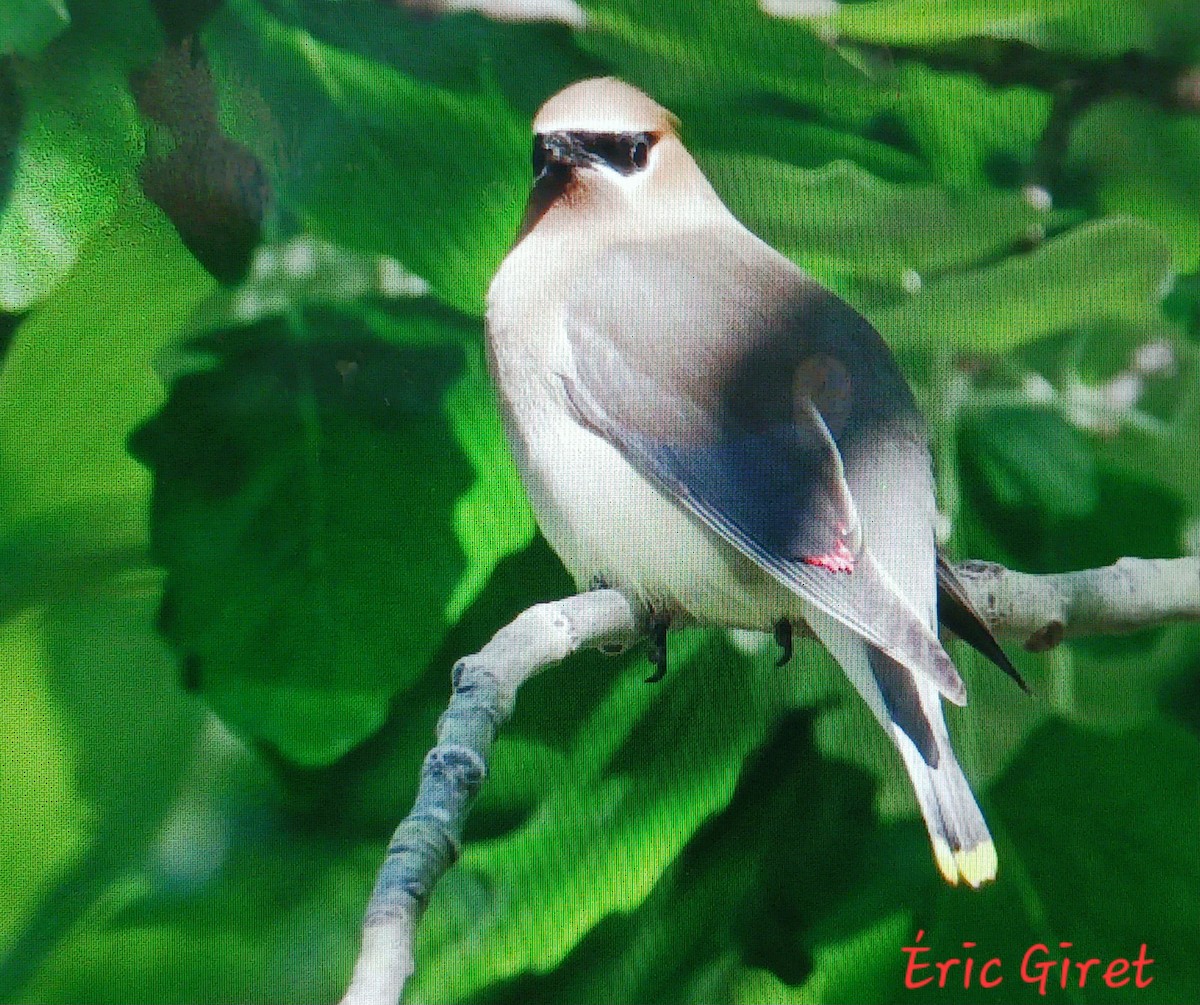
point(625, 153)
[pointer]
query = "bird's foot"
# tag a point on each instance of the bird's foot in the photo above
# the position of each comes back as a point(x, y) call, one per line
point(783, 639)
point(658, 646)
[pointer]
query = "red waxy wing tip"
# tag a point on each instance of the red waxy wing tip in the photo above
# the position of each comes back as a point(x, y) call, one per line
point(841, 559)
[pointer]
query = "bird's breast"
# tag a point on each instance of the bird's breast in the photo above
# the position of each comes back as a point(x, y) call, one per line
point(603, 517)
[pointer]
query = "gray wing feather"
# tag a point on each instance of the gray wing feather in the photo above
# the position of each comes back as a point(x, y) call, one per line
point(747, 420)
point(958, 613)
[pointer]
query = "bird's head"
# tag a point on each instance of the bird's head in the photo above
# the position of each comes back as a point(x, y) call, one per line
point(602, 143)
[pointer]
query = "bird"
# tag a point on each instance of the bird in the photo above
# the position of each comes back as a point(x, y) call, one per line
point(700, 424)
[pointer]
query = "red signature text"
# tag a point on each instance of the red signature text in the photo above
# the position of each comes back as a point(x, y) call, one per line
point(1040, 966)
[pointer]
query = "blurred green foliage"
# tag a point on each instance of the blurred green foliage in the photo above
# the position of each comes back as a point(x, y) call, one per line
point(255, 499)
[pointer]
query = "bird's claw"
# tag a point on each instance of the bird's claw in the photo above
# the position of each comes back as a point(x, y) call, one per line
point(658, 648)
point(783, 639)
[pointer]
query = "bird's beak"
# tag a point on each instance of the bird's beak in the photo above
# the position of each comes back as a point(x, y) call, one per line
point(555, 155)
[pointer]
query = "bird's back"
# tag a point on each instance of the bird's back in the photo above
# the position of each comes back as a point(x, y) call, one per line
point(712, 336)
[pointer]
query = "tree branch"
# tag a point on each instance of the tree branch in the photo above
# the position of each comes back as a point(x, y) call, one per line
point(1041, 610)
point(427, 841)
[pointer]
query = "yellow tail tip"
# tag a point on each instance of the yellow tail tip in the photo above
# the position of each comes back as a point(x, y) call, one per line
point(946, 864)
point(976, 866)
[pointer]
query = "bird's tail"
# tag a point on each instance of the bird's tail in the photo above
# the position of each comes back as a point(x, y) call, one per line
point(909, 707)
point(962, 846)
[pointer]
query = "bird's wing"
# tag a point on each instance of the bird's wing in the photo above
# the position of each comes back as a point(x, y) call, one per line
point(957, 612)
point(744, 390)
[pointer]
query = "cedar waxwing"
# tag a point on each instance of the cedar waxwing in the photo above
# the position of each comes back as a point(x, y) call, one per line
point(699, 423)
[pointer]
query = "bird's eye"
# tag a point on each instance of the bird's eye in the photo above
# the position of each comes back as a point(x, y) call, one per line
point(625, 153)
point(639, 152)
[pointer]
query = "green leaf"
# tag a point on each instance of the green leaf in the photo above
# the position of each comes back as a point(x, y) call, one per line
point(26, 26)
point(370, 159)
point(303, 492)
point(885, 113)
point(842, 222)
point(1113, 269)
point(1144, 162)
point(1033, 458)
point(790, 843)
point(1165, 456)
point(95, 687)
point(728, 136)
point(460, 51)
point(78, 377)
point(647, 766)
point(1095, 850)
point(281, 886)
point(679, 49)
point(38, 793)
point(80, 143)
point(856, 967)
point(97, 697)
point(1087, 27)
point(963, 126)
point(492, 518)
